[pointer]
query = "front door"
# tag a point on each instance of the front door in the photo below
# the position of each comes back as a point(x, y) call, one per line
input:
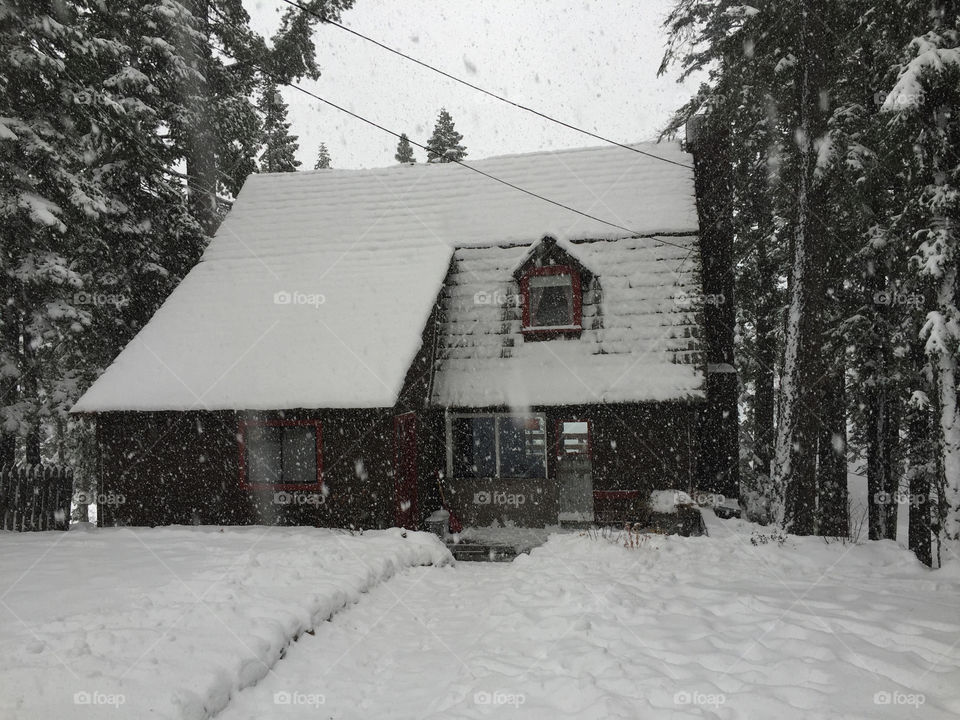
point(574, 471)
point(405, 470)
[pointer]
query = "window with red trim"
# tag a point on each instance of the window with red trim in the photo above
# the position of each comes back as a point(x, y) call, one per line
point(552, 300)
point(281, 454)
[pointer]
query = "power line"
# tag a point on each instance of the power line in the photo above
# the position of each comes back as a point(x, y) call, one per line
point(481, 172)
point(327, 21)
point(394, 133)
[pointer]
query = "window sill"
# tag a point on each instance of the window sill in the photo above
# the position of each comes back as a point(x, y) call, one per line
point(546, 332)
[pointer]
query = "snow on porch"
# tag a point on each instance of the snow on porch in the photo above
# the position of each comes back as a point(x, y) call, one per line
point(317, 286)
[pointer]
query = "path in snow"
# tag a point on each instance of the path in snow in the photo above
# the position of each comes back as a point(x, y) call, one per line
point(168, 623)
point(682, 627)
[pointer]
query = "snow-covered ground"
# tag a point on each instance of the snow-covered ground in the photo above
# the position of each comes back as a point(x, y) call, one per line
point(678, 627)
point(736, 625)
point(171, 622)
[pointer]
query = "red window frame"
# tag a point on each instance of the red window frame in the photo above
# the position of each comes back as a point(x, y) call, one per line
point(559, 442)
point(242, 438)
point(577, 324)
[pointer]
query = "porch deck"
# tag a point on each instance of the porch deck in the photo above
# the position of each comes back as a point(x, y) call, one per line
point(497, 544)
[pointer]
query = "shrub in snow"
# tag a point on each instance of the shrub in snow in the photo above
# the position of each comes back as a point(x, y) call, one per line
point(775, 536)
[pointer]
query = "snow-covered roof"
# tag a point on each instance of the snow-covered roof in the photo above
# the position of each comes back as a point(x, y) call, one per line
point(640, 342)
point(360, 256)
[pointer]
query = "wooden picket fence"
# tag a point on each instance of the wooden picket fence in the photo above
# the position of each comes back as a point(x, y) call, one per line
point(35, 498)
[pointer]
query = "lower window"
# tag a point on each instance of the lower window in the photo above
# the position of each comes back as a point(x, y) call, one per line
point(498, 446)
point(280, 454)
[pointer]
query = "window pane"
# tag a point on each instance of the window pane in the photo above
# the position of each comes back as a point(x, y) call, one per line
point(474, 452)
point(522, 443)
point(264, 453)
point(300, 454)
point(575, 438)
point(551, 300)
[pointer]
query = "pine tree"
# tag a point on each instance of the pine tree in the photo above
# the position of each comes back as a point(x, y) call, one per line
point(444, 145)
point(279, 146)
point(775, 83)
point(323, 158)
point(404, 153)
point(922, 104)
point(221, 131)
point(50, 204)
point(103, 105)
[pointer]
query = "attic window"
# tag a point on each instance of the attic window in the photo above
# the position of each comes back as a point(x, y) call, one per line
point(552, 302)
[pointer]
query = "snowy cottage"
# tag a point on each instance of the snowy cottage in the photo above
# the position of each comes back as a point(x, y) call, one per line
point(354, 342)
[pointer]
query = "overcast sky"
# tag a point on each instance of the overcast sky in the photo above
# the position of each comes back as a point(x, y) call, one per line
point(590, 63)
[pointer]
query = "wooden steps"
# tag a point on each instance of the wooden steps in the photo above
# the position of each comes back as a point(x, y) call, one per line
point(476, 552)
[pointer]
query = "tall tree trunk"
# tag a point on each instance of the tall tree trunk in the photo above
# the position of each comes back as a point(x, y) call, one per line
point(8, 449)
point(881, 422)
point(30, 385)
point(834, 520)
point(201, 159)
point(9, 360)
point(798, 427)
point(894, 466)
point(943, 359)
point(882, 427)
point(766, 358)
point(921, 465)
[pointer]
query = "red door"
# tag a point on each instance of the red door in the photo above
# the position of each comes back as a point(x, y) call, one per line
point(405, 470)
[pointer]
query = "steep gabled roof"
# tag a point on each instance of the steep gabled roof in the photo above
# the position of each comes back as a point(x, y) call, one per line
point(376, 245)
point(553, 252)
point(640, 342)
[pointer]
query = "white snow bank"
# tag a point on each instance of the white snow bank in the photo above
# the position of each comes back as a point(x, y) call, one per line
point(711, 627)
point(666, 501)
point(171, 622)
